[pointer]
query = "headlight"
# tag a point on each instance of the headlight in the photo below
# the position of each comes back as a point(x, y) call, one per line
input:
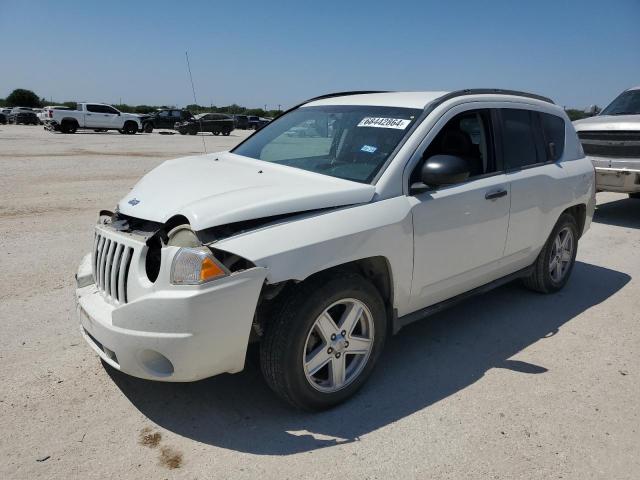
point(194, 266)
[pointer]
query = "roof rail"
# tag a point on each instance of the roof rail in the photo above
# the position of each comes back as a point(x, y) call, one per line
point(485, 91)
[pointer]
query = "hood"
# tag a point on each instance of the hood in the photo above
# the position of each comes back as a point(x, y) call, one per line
point(222, 188)
point(608, 122)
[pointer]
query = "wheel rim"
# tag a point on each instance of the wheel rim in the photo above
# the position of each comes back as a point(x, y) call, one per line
point(338, 345)
point(561, 254)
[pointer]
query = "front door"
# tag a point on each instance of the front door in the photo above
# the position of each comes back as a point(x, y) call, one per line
point(460, 230)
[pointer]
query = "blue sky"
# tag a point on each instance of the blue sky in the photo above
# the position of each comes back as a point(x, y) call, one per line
point(260, 52)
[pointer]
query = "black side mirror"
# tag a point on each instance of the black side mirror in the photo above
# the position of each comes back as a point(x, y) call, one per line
point(444, 170)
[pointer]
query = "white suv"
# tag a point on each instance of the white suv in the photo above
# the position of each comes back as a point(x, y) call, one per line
point(320, 246)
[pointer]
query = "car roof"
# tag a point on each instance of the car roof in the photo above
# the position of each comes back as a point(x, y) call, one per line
point(412, 99)
point(382, 99)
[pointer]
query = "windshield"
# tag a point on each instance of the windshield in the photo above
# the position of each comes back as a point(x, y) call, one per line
point(350, 142)
point(627, 103)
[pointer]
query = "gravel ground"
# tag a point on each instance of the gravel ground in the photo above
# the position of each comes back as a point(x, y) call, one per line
point(508, 385)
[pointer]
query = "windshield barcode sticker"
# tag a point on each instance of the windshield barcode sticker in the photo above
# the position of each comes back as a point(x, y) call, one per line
point(381, 122)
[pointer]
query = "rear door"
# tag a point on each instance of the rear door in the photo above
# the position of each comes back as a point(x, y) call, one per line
point(532, 142)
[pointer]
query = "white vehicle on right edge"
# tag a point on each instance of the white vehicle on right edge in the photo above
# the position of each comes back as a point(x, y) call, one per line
point(611, 140)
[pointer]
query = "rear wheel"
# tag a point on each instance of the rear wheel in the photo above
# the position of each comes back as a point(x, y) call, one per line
point(554, 264)
point(182, 132)
point(68, 126)
point(216, 132)
point(192, 132)
point(324, 340)
point(226, 133)
point(148, 127)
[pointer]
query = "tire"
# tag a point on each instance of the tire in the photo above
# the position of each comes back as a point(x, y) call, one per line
point(182, 132)
point(130, 128)
point(635, 196)
point(216, 132)
point(293, 333)
point(544, 277)
point(226, 133)
point(193, 132)
point(148, 127)
point(68, 127)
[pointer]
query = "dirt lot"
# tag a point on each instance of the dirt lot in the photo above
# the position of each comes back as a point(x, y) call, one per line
point(508, 385)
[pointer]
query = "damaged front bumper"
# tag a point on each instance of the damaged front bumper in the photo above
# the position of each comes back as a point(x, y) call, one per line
point(170, 332)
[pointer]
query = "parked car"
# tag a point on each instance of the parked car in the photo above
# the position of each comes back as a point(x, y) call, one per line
point(37, 111)
point(256, 123)
point(611, 140)
point(22, 115)
point(216, 123)
point(241, 122)
point(92, 116)
point(4, 115)
point(165, 118)
point(318, 248)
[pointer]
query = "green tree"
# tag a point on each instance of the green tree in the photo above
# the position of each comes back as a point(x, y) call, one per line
point(23, 98)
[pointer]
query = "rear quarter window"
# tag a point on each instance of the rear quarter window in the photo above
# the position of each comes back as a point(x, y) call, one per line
point(553, 128)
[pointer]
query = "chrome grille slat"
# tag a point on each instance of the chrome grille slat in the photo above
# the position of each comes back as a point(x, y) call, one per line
point(122, 281)
point(115, 267)
point(111, 260)
point(107, 271)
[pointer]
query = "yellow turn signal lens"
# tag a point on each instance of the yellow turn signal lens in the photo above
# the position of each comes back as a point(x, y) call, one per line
point(210, 270)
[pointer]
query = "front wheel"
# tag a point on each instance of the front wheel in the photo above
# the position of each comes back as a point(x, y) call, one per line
point(216, 132)
point(554, 264)
point(130, 128)
point(148, 127)
point(324, 340)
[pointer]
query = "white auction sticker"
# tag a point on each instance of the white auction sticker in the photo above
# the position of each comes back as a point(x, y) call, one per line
point(381, 122)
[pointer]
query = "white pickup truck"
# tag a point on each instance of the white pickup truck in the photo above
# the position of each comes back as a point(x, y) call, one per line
point(91, 116)
point(321, 246)
point(611, 140)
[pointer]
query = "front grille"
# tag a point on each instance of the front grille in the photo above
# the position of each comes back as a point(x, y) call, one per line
point(611, 143)
point(111, 261)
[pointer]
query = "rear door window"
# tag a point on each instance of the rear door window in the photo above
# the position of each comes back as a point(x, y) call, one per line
point(520, 138)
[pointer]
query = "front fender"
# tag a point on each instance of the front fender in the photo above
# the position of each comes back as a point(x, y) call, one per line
point(296, 249)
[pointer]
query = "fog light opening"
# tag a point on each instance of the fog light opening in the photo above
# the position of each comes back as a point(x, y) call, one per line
point(156, 363)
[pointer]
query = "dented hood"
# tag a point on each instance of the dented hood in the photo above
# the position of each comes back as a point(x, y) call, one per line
point(221, 188)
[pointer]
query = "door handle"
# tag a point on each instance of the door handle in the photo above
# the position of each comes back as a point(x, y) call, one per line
point(495, 194)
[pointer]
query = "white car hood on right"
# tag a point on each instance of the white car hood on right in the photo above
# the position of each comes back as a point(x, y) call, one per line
point(608, 122)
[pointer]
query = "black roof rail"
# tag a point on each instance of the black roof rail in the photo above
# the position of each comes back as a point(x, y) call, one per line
point(485, 91)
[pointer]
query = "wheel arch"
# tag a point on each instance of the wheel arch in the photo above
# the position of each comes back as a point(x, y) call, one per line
point(579, 213)
point(375, 269)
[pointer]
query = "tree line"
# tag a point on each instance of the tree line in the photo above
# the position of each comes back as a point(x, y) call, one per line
point(26, 98)
point(21, 97)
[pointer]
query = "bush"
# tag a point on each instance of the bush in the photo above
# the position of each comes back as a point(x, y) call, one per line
point(23, 98)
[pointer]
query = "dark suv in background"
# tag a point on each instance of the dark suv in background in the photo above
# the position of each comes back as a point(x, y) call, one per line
point(23, 115)
point(216, 123)
point(165, 118)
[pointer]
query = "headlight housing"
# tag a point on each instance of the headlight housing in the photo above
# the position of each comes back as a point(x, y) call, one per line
point(195, 266)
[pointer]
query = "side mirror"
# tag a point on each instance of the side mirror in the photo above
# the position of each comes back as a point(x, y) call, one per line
point(444, 170)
